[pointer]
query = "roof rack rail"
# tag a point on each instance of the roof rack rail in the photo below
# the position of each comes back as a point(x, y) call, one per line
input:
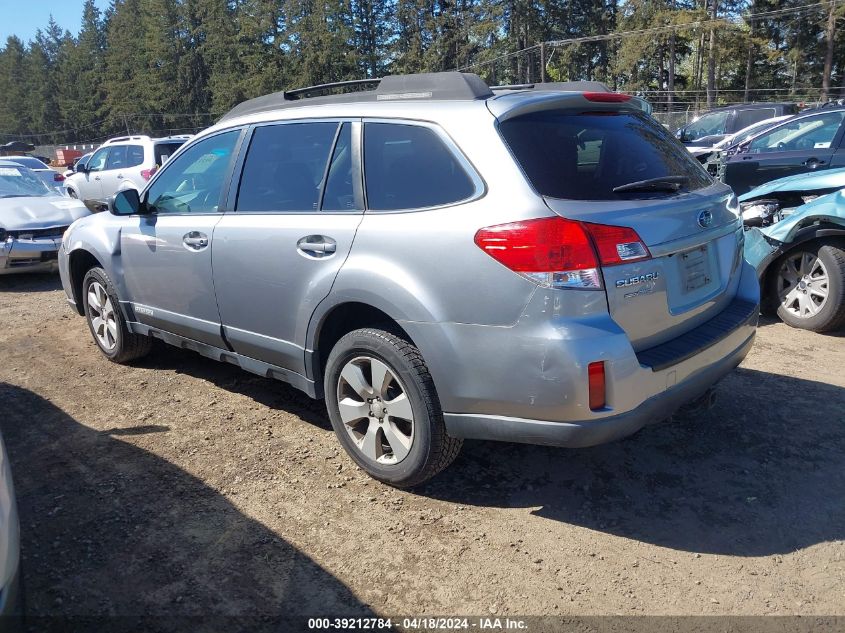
point(434, 86)
point(300, 93)
point(558, 86)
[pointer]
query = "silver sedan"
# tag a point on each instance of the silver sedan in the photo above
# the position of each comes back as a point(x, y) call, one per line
point(33, 218)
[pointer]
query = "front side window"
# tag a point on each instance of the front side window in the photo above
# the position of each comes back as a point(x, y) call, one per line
point(814, 132)
point(587, 155)
point(410, 167)
point(98, 160)
point(193, 183)
point(284, 167)
point(707, 125)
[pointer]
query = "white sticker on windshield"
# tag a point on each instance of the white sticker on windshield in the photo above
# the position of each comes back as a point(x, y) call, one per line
point(821, 145)
point(9, 171)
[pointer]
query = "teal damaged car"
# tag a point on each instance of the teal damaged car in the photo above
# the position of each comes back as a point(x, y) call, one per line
point(799, 251)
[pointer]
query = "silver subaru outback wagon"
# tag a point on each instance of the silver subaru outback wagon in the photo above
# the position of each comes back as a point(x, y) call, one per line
point(436, 258)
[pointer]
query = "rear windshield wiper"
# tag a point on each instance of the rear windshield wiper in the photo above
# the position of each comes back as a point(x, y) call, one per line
point(663, 183)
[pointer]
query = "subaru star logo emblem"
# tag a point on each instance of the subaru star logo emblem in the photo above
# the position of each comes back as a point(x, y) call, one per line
point(705, 219)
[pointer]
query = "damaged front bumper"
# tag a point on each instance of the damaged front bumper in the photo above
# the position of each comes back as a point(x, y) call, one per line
point(36, 255)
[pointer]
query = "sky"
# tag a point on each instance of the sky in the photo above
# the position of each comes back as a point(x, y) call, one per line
point(24, 17)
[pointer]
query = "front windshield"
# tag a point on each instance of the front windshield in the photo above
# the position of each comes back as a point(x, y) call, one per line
point(18, 182)
point(707, 125)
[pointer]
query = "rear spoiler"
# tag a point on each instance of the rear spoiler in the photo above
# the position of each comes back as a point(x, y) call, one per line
point(550, 96)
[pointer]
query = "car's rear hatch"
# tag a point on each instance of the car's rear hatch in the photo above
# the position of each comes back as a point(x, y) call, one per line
point(583, 157)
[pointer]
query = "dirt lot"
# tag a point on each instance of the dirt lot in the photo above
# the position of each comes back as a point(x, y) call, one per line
point(185, 486)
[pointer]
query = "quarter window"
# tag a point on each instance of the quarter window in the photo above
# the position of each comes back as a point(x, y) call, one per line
point(284, 167)
point(409, 167)
point(193, 182)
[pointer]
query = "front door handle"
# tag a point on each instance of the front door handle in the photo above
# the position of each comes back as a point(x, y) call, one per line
point(96, 177)
point(813, 163)
point(195, 241)
point(120, 176)
point(317, 245)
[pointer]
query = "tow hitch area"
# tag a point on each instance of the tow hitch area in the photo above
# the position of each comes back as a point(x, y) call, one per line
point(703, 403)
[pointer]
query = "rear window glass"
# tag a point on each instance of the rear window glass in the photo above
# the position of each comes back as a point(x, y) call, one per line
point(32, 163)
point(409, 167)
point(163, 151)
point(584, 156)
point(744, 118)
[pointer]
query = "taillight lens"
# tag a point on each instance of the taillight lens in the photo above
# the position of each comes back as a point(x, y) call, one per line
point(146, 174)
point(596, 382)
point(560, 253)
point(552, 252)
point(617, 244)
point(57, 177)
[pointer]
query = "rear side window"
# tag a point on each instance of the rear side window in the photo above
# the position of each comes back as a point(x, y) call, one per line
point(409, 167)
point(134, 155)
point(584, 156)
point(163, 151)
point(284, 167)
point(744, 118)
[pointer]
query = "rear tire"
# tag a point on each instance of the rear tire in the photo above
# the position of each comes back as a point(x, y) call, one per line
point(105, 320)
point(392, 424)
point(808, 287)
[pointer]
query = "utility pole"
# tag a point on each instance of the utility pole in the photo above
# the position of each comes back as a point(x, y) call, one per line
point(830, 33)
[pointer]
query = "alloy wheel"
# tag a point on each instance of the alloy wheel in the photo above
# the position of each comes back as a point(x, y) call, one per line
point(803, 284)
point(102, 316)
point(375, 410)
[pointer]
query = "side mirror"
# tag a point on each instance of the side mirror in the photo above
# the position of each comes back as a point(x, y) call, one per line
point(80, 168)
point(126, 202)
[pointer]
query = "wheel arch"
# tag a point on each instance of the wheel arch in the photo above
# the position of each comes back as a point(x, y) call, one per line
point(80, 261)
point(821, 234)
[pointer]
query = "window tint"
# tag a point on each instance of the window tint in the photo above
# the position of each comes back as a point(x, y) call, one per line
point(284, 167)
point(193, 182)
point(744, 118)
point(409, 167)
point(813, 132)
point(585, 156)
point(163, 151)
point(98, 160)
point(134, 155)
point(26, 161)
point(338, 195)
point(117, 157)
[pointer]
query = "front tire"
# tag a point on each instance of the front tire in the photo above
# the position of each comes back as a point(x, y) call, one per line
point(808, 286)
point(384, 408)
point(105, 321)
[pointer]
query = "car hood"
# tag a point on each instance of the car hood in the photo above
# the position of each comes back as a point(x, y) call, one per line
point(39, 212)
point(761, 243)
point(826, 179)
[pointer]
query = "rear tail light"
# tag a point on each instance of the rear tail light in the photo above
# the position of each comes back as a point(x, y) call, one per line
point(617, 244)
point(57, 177)
point(560, 253)
point(552, 252)
point(146, 174)
point(606, 97)
point(595, 375)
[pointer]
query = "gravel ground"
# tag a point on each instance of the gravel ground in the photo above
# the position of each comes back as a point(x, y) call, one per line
point(183, 486)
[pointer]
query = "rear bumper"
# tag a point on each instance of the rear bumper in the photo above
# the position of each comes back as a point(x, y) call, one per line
point(29, 256)
point(529, 382)
point(582, 433)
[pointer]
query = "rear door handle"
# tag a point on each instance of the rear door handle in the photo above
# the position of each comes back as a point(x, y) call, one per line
point(317, 245)
point(812, 163)
point(195, 241)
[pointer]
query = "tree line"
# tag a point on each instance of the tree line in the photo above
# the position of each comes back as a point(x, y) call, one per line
point(172, 65)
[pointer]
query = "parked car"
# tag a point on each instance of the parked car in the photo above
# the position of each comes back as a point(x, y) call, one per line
point(125, 162)
point(81, 161)
point(704, 152)
point(810, 141)
point(713, 126)
point(10, 583)
point(797, 244)
point(33, 218)
point(50, 177)
point(438, 259)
